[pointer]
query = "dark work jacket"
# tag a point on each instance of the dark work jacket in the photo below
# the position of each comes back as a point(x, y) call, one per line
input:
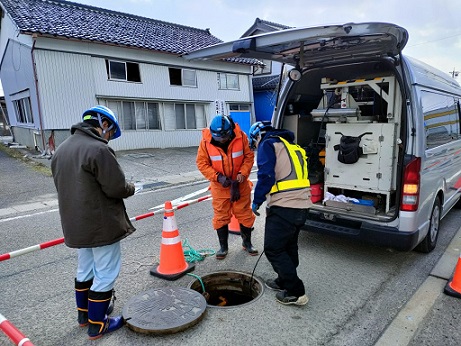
point(91, 186)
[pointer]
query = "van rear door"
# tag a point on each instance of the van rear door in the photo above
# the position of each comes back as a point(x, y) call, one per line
point(312, 46)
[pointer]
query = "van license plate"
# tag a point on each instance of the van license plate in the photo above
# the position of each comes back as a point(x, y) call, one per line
point(329, 217)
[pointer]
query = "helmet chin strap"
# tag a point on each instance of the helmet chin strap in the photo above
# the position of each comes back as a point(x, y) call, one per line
point(104, 131)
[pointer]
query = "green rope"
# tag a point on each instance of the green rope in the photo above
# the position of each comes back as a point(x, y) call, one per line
point(199, 279)
point(193, 255)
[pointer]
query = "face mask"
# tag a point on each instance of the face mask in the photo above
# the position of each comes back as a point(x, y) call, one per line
point(221, 139)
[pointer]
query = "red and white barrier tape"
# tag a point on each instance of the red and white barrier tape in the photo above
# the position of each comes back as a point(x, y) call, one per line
point(31, 248)
point(13, 333)
point(177, 207)
point(54, 242)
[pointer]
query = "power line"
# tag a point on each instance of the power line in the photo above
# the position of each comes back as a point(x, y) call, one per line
point(439, 39)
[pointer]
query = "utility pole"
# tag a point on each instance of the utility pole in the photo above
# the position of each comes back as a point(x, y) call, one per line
point(454, 73)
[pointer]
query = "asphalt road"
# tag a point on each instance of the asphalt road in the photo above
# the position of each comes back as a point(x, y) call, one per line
point(357, 292)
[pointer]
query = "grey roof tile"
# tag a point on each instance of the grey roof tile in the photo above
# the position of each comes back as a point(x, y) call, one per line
point(77, 21)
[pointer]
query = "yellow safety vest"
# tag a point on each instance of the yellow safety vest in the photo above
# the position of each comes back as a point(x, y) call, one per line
point(297, 179)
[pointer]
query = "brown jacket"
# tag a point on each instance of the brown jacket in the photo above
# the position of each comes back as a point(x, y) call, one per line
point(91, 186)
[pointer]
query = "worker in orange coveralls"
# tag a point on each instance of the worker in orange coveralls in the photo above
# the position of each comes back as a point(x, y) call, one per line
point(225, 159)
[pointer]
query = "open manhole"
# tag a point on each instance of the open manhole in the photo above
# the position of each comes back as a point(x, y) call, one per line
point(228, 289)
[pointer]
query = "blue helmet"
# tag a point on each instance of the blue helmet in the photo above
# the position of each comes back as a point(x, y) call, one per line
point(221, 128)
point(100, 113)
point(257, 130)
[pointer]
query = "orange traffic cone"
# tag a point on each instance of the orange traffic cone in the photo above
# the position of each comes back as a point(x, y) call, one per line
point(453, 287)
point(173, 264)
point(234, 226)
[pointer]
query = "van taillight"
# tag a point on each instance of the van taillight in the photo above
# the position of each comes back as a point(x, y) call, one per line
point(410, 189)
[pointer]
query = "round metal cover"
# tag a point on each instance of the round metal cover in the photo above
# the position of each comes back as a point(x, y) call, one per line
point(164, 310)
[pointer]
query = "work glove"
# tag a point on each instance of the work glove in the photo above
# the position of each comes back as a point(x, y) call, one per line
point(223, 180)
point(234, 191)
point(255, 208)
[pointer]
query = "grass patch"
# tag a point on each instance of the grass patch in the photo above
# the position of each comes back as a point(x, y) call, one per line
point(19, 155)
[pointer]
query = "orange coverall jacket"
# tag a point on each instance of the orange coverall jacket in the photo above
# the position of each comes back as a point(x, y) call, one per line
point(238, 158)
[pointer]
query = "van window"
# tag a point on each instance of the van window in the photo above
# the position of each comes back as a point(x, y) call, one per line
point(441, 118)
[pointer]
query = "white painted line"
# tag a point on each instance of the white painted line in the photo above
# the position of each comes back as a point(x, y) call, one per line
point(181, 199)
point(189, 196)
point(28, 215)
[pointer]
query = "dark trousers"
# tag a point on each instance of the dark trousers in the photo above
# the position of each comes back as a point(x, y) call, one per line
point(281, 246)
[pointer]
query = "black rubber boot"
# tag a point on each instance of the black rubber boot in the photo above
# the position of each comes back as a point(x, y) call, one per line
point(81, 298)
point(246, 236)
point(223, 236)
point(99, 322)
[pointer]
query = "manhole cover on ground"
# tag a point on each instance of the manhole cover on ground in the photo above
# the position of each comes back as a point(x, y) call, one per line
point(228, 289)
point(164, 310)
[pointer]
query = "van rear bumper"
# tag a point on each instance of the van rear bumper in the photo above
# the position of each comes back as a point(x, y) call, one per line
point(366, 232)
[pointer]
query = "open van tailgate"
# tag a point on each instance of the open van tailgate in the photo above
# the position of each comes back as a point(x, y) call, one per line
point(314, 45)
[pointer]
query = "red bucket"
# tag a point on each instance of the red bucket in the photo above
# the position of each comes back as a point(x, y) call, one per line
point(316, 192)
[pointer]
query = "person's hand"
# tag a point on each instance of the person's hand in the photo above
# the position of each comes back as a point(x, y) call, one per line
point(223, 180)
point(240, 177)
point(255, 208)
point(234, 191)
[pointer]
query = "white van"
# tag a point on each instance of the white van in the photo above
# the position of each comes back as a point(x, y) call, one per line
point(382, 130)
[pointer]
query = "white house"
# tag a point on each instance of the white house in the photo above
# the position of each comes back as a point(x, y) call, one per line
point(59, 58)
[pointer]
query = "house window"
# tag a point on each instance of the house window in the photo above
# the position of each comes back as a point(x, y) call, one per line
point(153, 116)
point(228, 81)
point(121, 70)
point(267, 69)
point(128, 116)
point(23, 111)
point(182, 77)
point(239, 107)
point(145, 115)
point(136, 115)
point(184, 116)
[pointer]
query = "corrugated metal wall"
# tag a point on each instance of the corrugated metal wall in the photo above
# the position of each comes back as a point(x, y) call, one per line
point(157, 139)
point(130, 140)
point(17, 76)
point(66, 87)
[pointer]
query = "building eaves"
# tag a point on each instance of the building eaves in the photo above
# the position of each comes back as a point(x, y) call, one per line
point(263, 26)
point(273, 26)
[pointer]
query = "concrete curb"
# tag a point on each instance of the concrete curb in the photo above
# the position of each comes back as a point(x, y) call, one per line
point(404, 327)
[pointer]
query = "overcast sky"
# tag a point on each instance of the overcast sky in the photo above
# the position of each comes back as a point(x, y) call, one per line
point(434, 26)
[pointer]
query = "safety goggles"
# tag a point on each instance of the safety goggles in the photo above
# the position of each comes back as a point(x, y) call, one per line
point(222, 136)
